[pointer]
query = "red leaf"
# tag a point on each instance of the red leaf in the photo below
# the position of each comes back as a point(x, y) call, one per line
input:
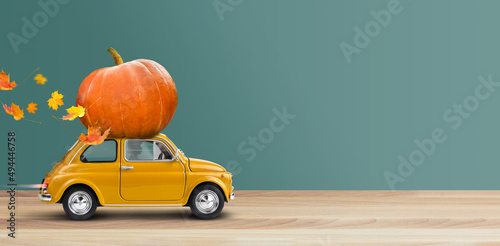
point(94, 136)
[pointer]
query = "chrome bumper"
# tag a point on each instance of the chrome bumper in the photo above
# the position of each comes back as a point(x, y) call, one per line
point(45, 197)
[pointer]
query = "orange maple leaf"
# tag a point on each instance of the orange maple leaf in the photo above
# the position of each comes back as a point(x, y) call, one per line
point(5, 85)
point(94, 136)
point(40, 79)
point(55, 100)
point(32, 108)
point(14, 110)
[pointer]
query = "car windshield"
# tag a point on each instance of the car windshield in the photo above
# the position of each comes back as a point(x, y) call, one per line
point(176, 148)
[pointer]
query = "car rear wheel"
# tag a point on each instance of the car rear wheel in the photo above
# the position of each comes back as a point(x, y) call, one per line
point(206, 202)
point(80, 203)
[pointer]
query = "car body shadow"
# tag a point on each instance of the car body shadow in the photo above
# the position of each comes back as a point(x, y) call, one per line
point(113, 214)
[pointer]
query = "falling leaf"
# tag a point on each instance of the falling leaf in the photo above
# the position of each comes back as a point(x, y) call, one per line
point(56, 100)
point(74, 112)
point(5, 85)
point(94, 136)
point(32, 108)
point(40, 79)
point(14, 110)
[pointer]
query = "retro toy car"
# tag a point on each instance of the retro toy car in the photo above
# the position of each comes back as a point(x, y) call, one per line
point(132, 172)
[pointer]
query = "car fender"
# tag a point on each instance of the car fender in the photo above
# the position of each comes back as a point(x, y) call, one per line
point(69, 183)
point(205, 179)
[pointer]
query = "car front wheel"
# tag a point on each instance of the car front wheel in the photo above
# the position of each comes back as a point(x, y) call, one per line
point(80, 203)
point(207, 201)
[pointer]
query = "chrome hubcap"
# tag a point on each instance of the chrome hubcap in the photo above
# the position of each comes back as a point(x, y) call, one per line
point(207, 201)
point(80, 202)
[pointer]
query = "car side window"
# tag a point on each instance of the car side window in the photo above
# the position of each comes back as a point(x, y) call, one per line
point(146, 150)
point(104, 152)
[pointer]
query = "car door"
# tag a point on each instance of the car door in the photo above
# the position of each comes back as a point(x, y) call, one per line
point(149, 171)
point(98, 164)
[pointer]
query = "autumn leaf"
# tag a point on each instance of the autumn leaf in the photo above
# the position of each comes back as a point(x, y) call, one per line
point(40, 79)
point(56, 100)
point(5, 85)
point(74, 112)
point(14, 110)
point(32, 108)
point(94, 136)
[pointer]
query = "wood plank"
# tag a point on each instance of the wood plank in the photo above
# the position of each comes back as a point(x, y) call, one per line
point(275, 217)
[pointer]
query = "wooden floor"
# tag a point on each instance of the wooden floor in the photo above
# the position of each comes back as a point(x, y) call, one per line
point(274, 218)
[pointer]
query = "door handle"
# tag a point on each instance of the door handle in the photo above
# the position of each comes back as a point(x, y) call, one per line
point(127, 167)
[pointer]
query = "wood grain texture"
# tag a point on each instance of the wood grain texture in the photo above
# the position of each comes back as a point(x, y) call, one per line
point(274, 217)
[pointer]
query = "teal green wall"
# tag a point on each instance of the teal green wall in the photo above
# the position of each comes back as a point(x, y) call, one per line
point(353, 119)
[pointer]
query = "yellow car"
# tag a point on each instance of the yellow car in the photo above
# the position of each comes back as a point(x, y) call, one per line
point(132, 172)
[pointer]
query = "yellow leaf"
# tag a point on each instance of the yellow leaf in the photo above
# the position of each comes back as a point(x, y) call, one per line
point(40, 79)
point(32, 108)
point(56, 100)
point(74, 112)
point(4, 82)
point(14, 110)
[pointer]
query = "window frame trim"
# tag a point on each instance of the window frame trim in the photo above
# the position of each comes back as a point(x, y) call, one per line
point(146, 139)
point(116, 153)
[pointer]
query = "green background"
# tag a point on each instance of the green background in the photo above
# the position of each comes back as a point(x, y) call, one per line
point(353, 119)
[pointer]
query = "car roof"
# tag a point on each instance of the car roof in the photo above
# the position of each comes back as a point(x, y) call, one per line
point(159, 135)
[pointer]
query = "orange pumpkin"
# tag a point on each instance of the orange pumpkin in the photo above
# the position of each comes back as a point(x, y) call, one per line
point(134, 99)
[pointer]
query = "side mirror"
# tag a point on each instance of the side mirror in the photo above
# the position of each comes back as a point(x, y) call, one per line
point(178, 156)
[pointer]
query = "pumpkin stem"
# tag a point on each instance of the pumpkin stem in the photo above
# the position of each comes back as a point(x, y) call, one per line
point(116, 56)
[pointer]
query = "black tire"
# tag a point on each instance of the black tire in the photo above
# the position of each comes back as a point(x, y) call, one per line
point(80, 203)
point(206, 201)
